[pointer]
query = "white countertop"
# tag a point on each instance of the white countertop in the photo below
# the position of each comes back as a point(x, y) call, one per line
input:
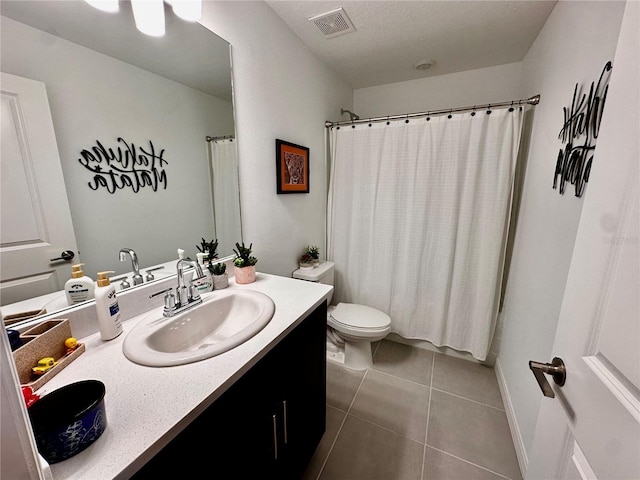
point(147, 406)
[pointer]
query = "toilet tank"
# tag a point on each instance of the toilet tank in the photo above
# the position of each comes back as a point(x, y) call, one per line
point(323, 273)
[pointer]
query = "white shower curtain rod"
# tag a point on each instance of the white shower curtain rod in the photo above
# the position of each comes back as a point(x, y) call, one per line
point(223, 137)
point(529, 101)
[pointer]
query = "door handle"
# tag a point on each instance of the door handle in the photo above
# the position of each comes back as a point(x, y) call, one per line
point(556, 369)
point(67, 255)
point(284, 416)
point(275, 437)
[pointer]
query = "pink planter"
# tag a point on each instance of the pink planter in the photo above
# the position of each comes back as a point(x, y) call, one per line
point(245, 274)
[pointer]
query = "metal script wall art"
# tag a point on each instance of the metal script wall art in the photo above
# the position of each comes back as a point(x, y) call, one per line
point(126, 166)
point(581, 125)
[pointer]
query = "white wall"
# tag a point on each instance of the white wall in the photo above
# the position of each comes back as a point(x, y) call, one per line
point(573, 47)
point(473, 87)
point(281, 91)
point(96, 97)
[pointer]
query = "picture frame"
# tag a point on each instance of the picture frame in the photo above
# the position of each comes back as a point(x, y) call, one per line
point(292, 167)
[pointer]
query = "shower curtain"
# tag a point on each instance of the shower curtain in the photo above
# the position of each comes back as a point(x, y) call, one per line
point(418, 220)
point(226, 205)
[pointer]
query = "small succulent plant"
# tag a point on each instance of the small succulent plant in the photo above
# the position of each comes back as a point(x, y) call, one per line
point(243, 256)
point(210, 250)
point(305, 259)
point(218, 268)
point(313, 250)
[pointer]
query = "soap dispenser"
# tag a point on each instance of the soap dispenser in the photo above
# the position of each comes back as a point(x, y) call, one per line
point(108, 310)
point(79, 288)
point(204, 284)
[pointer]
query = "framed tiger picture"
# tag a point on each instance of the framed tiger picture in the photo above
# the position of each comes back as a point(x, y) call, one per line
point(292, 167)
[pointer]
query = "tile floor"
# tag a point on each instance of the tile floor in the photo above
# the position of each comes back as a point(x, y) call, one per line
point(415, 415)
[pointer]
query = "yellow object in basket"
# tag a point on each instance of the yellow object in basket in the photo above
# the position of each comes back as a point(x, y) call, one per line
point(71, 343)
point(44, 365)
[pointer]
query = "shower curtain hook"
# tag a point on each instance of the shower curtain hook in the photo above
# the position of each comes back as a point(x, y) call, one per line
point(407, 120)
point(473, 113)
point(428, 116)
point(511, 108)
point(388, 122)
point(489, 110)
point(450, 112)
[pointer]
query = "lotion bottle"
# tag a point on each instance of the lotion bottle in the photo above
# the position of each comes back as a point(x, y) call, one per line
point(109, 321)
point(79, 288)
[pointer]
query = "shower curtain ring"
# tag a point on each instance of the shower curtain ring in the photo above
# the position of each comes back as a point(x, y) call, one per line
point(473, 113)
point(407, 120)
point(489, 110)
point(388, 122)
point(428, 116)
point(450, 112)
point(511, 107)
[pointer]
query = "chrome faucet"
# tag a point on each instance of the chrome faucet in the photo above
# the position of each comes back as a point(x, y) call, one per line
point(185, 297)
point(188, 294)
point(137, 278)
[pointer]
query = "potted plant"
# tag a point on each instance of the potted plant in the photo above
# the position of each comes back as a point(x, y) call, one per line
point(314, 251)
point(210, 251)
point(219, 275)
point(305, 261)
point(244, 264)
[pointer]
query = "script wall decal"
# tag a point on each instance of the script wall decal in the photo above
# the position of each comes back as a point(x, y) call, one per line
point(579, 134)
point(124, 166)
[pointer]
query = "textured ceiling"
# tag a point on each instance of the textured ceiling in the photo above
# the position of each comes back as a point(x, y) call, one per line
point(391, 36)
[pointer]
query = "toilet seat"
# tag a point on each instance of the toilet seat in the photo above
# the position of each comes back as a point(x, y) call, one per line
point(359, 321)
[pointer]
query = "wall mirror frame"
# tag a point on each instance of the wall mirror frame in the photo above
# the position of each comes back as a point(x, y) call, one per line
point(109, 84)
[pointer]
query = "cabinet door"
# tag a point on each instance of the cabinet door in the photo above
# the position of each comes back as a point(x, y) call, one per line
point(303, 398)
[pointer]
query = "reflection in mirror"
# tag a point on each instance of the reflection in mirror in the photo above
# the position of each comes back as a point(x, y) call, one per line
point(132, 117)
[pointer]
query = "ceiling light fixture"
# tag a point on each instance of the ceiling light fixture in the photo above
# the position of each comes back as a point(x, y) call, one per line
point(423, 64)
point(149, 14)
point(110, 6)
point(189, 10)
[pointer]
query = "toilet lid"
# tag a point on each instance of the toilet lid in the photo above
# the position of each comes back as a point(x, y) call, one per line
point(360, 316)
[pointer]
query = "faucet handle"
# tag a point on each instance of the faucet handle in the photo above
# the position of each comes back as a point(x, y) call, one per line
point(194, 294)
point(182, 294)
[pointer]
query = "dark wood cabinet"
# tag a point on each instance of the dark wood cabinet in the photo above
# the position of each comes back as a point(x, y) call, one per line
point(267, 424)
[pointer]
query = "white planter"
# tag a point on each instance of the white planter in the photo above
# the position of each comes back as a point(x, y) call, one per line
point(220, 281)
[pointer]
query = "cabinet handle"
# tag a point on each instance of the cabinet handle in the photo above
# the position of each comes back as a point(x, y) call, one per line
point(284, 409)
point(275, 438)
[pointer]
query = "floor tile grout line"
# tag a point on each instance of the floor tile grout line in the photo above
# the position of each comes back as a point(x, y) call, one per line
point(470, 399)
point(385, 428)
point(400, 378)
point(467, 461)
point(426, 430)
point(357, 390)
point(326, 459)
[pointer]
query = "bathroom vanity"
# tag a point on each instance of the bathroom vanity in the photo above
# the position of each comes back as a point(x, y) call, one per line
point(255, 411)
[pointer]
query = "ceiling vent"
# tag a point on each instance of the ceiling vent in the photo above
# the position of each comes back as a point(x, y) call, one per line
point(333, 23)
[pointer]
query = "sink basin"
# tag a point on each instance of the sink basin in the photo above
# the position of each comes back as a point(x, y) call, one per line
point(223, 320)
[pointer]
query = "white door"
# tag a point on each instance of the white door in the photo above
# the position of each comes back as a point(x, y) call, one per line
point(591, 429)
point(35, 223)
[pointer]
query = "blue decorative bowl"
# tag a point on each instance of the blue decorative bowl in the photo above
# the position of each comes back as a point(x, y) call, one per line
point(69, 419)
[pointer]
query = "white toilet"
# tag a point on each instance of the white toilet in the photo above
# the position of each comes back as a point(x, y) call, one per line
point(350, 327)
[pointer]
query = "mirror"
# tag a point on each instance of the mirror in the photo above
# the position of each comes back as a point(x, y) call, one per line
point(114, 90)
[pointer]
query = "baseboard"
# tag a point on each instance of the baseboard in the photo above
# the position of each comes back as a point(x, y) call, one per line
point(518, 443)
